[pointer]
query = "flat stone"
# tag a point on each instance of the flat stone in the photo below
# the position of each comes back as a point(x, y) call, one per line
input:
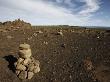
point(37, 62)
point(39, 31)
point(60, 33)
point(30, 75)
point(20, 60)
point(9, 37)
point(24, 46)
point(17, 72)
point(23, 75)
point(20, 67)
point(26, 61)
point(36, 70)
point(31, 67)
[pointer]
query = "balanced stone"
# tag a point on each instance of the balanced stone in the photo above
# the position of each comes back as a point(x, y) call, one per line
point(36, 70)
point(23, 74)
point(24, 46)
point(26, 65)
point(20, 60)
point(31, 67)
point(17, 72)
point(25, 53)
point(30, 75)
point(20, 67)
point(26, 61)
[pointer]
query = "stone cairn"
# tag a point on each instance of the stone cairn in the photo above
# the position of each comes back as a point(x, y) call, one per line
point(26, 65)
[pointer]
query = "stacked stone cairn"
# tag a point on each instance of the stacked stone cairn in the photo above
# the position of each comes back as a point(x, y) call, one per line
point(26, 65)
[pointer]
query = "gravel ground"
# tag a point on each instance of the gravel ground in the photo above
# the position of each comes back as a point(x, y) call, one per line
point(61, 52)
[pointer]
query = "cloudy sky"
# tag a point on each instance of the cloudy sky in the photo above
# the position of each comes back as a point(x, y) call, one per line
point(55, 12)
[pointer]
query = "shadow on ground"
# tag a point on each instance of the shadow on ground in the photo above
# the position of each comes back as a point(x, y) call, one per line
point(11, 60)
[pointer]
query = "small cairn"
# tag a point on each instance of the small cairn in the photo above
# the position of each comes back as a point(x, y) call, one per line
point(26, 65)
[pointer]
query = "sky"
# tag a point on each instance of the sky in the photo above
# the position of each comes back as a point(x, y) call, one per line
point(57, 12)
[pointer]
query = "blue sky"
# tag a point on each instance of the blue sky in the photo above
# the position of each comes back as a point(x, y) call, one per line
point(56, 12)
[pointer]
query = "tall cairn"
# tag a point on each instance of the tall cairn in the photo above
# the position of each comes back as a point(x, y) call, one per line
point(26, 65)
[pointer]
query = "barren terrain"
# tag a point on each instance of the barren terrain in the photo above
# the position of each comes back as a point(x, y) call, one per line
point(61, 52)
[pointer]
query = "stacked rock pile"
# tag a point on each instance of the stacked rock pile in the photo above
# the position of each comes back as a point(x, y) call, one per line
point(26, 65)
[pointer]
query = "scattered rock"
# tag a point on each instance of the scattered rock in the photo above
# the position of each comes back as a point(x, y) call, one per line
point(60, 33)
point(98, 37)
point(45, 42)
point(99, 72)
point(72, 30)
point(39, 31)
point(9, 37)
point(3, 30)
point(63, 45)
point(88, 64)
point(35, 34)
point(29, 38)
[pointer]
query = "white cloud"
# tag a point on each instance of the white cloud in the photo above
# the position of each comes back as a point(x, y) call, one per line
point(42, 12)
point(90, 6)
point(36, 7)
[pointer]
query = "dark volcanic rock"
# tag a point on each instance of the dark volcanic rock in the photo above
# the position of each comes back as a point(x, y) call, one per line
point(61, 60)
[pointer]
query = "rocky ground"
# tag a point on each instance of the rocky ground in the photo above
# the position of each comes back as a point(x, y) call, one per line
point(62, 53)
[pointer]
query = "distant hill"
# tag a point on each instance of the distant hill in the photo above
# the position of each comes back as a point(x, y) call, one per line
point(99, 27)
point(22, 24)
point(15, 24)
